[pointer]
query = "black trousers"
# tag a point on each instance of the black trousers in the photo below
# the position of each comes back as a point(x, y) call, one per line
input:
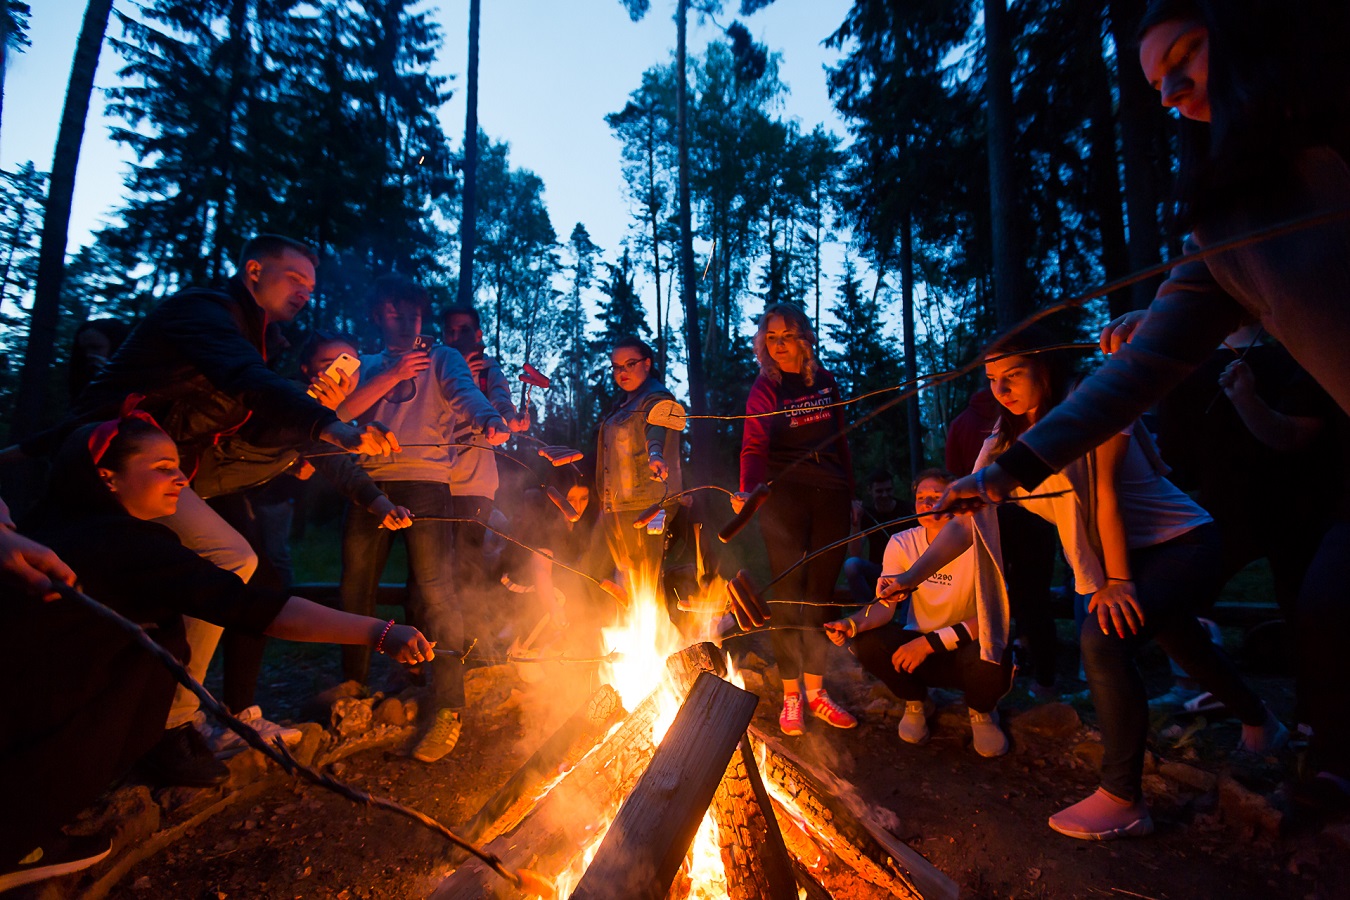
point(1029, 547)
point(798, 519)
point(983, 683)
point(61, 758)
point(1322, 623)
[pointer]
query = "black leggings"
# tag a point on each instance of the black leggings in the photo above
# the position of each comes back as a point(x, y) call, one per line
point(1321, 624)
point(983, 683)
point(1172, 579)
point(796, 520)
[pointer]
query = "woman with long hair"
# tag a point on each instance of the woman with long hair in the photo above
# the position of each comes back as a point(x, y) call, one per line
point(1147, 553)
point(637, 464)
point(1265, 96)
point(795, 444)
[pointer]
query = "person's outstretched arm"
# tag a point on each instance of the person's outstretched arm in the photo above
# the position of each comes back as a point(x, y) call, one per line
point(305, 620)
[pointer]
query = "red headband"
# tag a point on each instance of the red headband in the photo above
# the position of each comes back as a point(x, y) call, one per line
point(103, 435)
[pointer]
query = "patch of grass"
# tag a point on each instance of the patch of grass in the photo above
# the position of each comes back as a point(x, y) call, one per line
point(317, 557)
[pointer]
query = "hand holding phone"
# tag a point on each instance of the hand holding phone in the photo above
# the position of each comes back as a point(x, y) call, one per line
point(327, 391)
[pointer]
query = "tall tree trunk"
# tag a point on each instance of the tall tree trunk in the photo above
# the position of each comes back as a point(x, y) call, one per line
point(236, 52)
point(915, 428)
point(468, 238)
point(1008, 303)
point(1104, 178)
point(699, 435)
point(654, 213)
point(1140, 120)
point(40, 352)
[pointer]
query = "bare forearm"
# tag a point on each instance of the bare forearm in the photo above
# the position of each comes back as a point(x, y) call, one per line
point(305, 620)
point(954, 539)
point(366, 395)
point(1276, 430)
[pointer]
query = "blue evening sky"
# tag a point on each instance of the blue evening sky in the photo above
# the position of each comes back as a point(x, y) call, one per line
point(550, 70)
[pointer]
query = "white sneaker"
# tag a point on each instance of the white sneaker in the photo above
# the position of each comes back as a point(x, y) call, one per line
point(225, 742)
point(914, 724)
point(989, 738)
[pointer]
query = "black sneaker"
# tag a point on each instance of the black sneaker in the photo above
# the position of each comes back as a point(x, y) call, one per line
point(182, 758)
point(63, 856)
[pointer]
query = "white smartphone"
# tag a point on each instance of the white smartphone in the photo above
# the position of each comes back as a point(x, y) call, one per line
point(345, 363)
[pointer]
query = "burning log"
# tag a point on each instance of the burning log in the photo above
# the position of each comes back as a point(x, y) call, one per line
point(564, 748)
point(655, 827)
point(555, 832)
point(756, 861)
point(828, 810)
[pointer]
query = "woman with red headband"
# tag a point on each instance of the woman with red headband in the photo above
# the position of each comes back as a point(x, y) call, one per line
point(96, 702)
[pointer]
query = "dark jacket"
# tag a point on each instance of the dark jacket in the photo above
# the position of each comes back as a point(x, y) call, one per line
point(200, 359)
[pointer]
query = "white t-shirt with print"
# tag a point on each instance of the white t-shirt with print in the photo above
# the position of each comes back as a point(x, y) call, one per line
point(947, 597)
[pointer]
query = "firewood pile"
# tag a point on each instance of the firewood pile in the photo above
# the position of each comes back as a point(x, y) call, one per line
point(620, 821)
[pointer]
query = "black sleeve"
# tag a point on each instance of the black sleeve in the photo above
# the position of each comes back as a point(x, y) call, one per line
point(346, 477)
point(143, 571)
point(211, 339)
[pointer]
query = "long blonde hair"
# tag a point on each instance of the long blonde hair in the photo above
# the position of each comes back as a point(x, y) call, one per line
point(794, 316)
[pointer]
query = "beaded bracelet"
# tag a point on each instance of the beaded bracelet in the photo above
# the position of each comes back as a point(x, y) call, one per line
point(379, 645)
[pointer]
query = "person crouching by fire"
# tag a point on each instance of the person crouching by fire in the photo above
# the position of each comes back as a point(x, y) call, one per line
point(932, 643)
point(803, 455)
point(637, 464)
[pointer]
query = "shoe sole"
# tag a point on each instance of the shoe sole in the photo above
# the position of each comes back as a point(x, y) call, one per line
point(1137, 828)
point(918, 743)
point(42, 873)
point(790, 731)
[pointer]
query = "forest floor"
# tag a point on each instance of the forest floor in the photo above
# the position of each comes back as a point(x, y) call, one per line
point(980, 821)
point(1221, 830)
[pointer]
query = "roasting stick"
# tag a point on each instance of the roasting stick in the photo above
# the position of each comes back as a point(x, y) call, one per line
point(278, 753)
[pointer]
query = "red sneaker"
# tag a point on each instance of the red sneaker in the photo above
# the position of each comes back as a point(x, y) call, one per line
point(827, 710)
point(792, 720)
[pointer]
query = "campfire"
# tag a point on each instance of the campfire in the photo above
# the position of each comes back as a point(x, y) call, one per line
point(660, 787)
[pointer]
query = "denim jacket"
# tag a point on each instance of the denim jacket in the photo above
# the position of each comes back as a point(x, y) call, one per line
point(626, 444)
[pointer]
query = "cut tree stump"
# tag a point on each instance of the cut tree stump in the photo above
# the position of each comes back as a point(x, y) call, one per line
point(651, 836)
point(555, 833)
point(562, 751)
point(757, 863)
point(830, 811)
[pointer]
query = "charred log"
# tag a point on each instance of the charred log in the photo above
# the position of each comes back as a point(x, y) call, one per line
point(649, 839)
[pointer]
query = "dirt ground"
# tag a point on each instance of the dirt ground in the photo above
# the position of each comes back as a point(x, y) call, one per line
point(980, 821)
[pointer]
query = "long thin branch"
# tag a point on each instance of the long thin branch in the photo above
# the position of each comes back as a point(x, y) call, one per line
point(278, 752)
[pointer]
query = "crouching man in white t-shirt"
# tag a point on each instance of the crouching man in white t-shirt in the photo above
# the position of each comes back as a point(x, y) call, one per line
point(934, 642)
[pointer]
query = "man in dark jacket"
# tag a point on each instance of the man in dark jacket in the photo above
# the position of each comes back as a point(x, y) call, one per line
point(199, 361)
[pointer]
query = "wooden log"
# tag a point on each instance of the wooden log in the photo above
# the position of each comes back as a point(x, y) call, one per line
point(656, 825)
point(842, 822)
point(557, 831)
point(757, 864)
point(560, 753)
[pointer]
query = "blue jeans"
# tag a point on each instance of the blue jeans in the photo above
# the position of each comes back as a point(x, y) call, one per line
point(432, 605)
point(1173, 580)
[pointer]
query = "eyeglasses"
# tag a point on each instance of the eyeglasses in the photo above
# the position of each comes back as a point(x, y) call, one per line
point(629, 366)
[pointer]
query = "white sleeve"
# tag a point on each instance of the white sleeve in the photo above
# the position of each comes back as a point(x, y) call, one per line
point(898, 556)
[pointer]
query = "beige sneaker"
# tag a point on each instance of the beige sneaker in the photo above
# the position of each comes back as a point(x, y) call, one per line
point(440, 738)
point(989, 738)
point(914, 724)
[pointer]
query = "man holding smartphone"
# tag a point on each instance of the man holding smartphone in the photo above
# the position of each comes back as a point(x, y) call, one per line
point(426, 396)
point(198, 362)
